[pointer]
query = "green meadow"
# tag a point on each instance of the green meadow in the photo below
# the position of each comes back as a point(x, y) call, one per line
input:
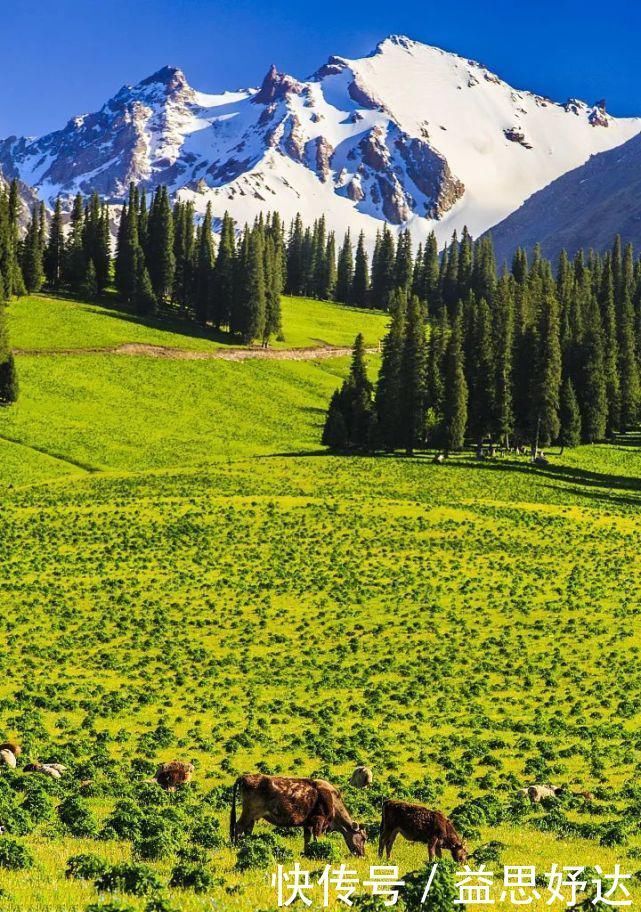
point(188, 575)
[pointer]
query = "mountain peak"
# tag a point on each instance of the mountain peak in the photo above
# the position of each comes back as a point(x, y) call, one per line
point(170, 76)
point(276, 85)
point(395, 41)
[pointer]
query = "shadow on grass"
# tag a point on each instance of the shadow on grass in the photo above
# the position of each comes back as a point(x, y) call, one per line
point(109, 306)
point(596, 485)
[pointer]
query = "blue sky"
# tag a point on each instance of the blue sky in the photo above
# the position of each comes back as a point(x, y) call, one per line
point(68, 57)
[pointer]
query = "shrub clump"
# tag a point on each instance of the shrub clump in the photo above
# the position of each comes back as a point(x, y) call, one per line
point(323, 850)
point(137, 879)
point(442, 892)
point(14, 856)
point(77, 818)
point(191, 876)
point(124, 821)
point(261, 852)
point(85, 867)
point(206, 833)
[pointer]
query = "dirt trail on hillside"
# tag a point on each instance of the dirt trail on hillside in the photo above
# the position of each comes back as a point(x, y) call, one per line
point(182, 354)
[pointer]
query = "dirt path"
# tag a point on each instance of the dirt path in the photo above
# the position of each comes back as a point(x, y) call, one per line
point(182, 354)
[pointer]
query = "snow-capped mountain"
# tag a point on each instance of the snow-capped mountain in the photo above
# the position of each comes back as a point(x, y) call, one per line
point(411, 134)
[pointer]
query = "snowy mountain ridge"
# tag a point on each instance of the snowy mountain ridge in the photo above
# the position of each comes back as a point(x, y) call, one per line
point(411, 134)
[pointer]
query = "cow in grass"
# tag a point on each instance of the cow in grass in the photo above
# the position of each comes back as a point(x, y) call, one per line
point(362, 777)
point(537, 793)
point(418, 824)
point(174, 774)
point(313, 804)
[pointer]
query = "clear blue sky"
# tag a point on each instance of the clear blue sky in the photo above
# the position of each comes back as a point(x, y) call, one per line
point(68, 57)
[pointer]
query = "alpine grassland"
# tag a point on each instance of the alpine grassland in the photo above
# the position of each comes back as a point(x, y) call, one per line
point(187, 574)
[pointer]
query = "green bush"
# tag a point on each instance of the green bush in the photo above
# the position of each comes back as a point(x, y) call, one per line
point(124, 822)
point(206, 832)
point(253, 854)
point(154, 848)
point(323, 850)
point(85, 867)
point(14, 856)
point(137, 879)
point(442, 892)
point(194, 877)
point(77, 818)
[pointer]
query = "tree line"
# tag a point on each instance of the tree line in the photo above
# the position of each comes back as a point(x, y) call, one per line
point(534, 355)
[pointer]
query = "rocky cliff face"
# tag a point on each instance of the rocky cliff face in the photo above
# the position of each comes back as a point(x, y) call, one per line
point(411, 135)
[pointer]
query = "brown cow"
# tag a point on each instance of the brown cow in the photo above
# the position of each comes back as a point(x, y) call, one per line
point(418, 824)
point(313, 804)
point(170, 775)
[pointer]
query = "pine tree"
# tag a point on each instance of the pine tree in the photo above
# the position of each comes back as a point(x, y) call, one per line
point(610, 350)
point(481, 371)
point(159, 248)
point(413, 378)
point(345, 271)
point(55, 250)
point(273, 283)
point(404, 265)
point(388, 389)
point(32, 267)
point(360, 283)
point(96, 241)
point(593, 398)
point(295, 267)
point(435, 381)
point(203, 269)
point(547, 376)
point(184, 254)
point(253, 300)
point(335, 434)
point(384, 271)
point(628, 368)
point(9, 246)
point(328, 274)
point(503, 308)
point(430, 273)
point(455, 396)
point(75, 263)
point(449, 287)
point(89, 288)
point(8, 376)
point(224, 274)
point(348, 424)
point(570, 435)
point(128, 269)
point(144, 298)
point(318, 266)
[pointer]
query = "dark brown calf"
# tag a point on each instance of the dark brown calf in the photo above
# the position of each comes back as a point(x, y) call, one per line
point(173, 774)
point(313, 804)
point(418, 824)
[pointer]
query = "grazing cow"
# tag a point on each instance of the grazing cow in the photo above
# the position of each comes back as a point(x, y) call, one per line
point(536, 793)
point(418, 824)
point(8, 758)
point(15, 749)
point(362, 777)
point(54, 770)
point(170, 775)
point(313, 804)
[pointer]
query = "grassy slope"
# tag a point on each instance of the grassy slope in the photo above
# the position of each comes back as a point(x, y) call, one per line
point(451, 622)
point(53, 323)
